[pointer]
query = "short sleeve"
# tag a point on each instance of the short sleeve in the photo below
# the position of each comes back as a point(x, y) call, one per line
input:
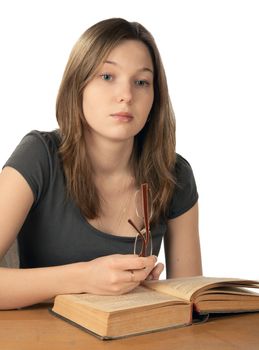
point(31, 160)
point(185, 194)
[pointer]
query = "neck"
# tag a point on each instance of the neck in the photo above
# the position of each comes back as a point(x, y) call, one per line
point(109, 158)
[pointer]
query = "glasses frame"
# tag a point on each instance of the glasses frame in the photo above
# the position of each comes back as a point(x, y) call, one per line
point(145, 237)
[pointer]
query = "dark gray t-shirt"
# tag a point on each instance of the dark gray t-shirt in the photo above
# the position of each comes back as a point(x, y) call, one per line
point(55, 232)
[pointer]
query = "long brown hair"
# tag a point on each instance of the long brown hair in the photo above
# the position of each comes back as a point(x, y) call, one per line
point(153, 157)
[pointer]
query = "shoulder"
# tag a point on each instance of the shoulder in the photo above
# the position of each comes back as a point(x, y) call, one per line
point(39, 139)
point(183, 170)
point(36, 158)
point(185, 194)
point(37, 146)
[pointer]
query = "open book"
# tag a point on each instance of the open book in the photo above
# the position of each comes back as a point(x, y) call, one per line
point(157, 305)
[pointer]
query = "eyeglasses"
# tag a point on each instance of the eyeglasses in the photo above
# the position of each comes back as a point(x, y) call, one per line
point(143, 241)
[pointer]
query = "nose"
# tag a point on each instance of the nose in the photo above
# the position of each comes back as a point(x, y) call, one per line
point(124, 93)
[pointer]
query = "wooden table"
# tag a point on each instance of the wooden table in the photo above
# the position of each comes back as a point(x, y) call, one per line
point(35, 328)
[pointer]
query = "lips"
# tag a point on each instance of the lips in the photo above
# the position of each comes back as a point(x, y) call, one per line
point(123, 116)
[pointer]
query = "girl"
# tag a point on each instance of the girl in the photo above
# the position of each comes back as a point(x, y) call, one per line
point(67, 195)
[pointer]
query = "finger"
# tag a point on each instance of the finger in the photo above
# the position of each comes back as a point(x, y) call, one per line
point(144, 264)
point(133, 262)
point(127, 282)
point(156, 272)
point(131, 276)
point(139, 274)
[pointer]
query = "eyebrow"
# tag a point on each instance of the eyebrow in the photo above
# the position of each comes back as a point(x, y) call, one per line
point(144, 69)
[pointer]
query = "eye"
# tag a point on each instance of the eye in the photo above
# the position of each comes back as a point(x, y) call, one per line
point(142, 83)
point(106, 77)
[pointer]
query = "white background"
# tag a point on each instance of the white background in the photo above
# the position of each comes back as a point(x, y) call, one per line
point(210, 53)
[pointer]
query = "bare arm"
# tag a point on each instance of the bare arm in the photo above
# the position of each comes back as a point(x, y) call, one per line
point(20, 287)
point(23, 287)
point(16, 199)
point(182, 245)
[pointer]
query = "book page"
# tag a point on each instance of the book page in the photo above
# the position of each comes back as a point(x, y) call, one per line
point(187, 287)
point(140, 297)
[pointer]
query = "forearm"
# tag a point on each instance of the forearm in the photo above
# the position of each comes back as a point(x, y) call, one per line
point(182, 245)
point(108, 275)
point(23, 287)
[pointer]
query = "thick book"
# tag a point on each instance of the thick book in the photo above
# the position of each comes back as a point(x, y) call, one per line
point(157, 305)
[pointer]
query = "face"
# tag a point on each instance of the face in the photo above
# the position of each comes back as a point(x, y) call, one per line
point(117, 101)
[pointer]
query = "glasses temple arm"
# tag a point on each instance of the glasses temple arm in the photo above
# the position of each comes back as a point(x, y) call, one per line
point(145, 210)
point(135, 227)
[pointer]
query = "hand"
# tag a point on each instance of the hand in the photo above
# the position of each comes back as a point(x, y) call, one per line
point(116, 274)
point(156, 272)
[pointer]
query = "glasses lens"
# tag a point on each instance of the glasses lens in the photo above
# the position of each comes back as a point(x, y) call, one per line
point(139, 204)
point(141, 247)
